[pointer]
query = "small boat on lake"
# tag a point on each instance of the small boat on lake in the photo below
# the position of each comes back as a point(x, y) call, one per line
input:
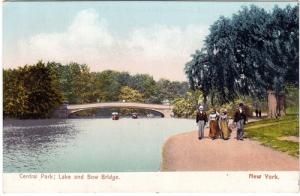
point(150, 115)
point(134, 115)
point(115, 116)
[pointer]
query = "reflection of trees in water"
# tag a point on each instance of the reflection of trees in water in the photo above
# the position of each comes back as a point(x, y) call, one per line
point(106, 113)
point(28, 142)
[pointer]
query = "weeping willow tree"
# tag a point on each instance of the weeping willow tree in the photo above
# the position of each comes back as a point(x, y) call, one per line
point(249, 54)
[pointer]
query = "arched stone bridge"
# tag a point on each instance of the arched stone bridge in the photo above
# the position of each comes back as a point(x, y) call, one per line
point(66, 110)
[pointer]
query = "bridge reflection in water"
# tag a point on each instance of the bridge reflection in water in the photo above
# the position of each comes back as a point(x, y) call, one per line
point(65, 110)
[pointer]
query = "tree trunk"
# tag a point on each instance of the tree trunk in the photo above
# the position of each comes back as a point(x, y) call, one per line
point(205, 99)
point(212, 100)
point(272, 104)
point(281, 105)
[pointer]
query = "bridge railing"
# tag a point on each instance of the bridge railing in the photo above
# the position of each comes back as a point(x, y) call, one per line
point(117, 104)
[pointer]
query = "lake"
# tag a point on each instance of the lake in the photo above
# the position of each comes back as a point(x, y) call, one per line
point(88, 145)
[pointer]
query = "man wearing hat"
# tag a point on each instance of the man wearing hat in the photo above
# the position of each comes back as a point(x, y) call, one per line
point(201, 120)
point(240, 120)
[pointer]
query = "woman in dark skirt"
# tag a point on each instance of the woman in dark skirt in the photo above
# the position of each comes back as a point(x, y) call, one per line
point(213, 125)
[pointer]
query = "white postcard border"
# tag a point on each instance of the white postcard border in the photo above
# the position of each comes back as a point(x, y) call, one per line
point(154, 182)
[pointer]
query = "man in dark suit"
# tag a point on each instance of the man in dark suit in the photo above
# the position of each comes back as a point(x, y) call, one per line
point(240, 119)
point(201, 120)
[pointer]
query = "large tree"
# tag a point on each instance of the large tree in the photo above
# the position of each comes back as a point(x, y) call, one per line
point(145, 84)
point(31, 92)
point(107, 85)
point(74, 80)
point(248, 54)
point(170, 90)
point(15, 98)
point(130, 95)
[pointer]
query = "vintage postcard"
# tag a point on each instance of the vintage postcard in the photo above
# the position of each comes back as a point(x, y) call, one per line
point(150, 96)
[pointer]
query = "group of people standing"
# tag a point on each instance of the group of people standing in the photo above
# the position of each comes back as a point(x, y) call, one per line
point(218, 123)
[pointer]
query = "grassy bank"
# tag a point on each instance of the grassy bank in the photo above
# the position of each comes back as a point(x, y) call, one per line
point(270, 131)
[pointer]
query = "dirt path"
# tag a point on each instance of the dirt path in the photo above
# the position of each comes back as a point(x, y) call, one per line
point(184, 152)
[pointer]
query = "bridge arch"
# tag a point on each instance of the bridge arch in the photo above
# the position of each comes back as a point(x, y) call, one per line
point(127, 107)
point(66, 110)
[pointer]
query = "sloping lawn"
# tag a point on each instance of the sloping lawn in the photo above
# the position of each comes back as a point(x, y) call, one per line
point(269, 132)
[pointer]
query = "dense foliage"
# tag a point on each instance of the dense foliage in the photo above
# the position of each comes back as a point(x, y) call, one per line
point(79, 85)
point(186, 107)
point(30, 92)
point(35, 91)
point(247, 54)
point(130, 95)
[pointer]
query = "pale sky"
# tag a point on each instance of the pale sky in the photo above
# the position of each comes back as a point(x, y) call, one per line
point(139, 37)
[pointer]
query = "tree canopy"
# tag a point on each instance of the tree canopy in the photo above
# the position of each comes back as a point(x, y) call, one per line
point(130, 95)
point(30, 92)
point(33, 91)
point(247, 54)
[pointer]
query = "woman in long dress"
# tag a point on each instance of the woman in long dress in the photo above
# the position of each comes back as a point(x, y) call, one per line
point(223, 124)
point(213, 125)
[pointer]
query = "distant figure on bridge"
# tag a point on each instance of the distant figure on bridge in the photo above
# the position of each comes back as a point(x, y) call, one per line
point(201, 120)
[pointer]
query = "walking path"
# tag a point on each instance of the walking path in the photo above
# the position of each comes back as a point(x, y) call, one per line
point(184, 152)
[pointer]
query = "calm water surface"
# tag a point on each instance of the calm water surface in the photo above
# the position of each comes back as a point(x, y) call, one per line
point(87, 145)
